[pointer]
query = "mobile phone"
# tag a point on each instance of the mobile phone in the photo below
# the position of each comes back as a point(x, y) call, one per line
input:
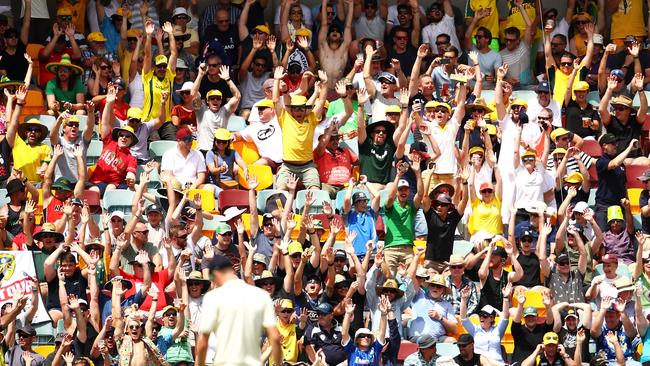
point(431, 165)
point(444, 61)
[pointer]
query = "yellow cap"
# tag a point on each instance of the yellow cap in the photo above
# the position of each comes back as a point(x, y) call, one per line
point(214, 92)
point(476, 150)
point(614, 213)
point(430, 104)
point(532, 153)
point(161, 59)
point(222, 134)
point(286, 304)
point(393, 109)
point(520, 102)
point(491, 129)
point(558, 132)
point(574, 177)
point(303, 32)
point(294, 247)
point(265, 103)
point(581, 86)
point(440, 104)
point(134, 112)
point(120, 12)
point(133, 33)
point(550, 338)
point(96, 37)
point(298, 100)
point(73, 118)
point(559, 150)
point(263, 28)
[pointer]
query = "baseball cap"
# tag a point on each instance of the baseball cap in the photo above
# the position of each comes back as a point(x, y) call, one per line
point(183, 133)
point(608, 138)
point(580, 206)
point(645, 176)
point(153, 208)
point(543, 86)
point(550, 338)
point(562, 258)
point(571, 313)
point(402, 183)
point(388, 77)
point(359, 196)
point(465, 339)
point(530, 311)
point(618, 73)
point(443, 198)
point(27, 329)
point(324, 308)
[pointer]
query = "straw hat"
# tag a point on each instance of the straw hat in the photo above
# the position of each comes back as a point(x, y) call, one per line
point(65, 62)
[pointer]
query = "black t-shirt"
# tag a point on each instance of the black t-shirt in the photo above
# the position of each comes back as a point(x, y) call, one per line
point(224, 44)
point(474, 361)
point(307, 304)
point(612, 186)
point(625, 133)
point(15, 65)
point(329, 342)
point(560, 195)
point(6, 158)
point(569, 340)
point(440, 236)
point(406, 59)
point(574, 115)
point(75, 285)
point(358, 300)
point(221, 85)
point(530, 265)
point(527, 340)
point(491, 292)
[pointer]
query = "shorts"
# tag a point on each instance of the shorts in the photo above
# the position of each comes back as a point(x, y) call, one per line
point(306, 173)
point(421, 228)
point(398, 254)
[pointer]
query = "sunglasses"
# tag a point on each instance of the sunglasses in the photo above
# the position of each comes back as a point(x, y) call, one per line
point(72, 124)
point(566, 64)
point(295, 255)
point(479, 36)
point(562, 263)
point(131, 39)
point(299, 109)
point(456, 267)
point(170, 314)
point(286, 311)
point(364, 336)
point(620, 109)
point(228, 233)
point(134, 327)
point(66, 17)
point(441, 110)
point(188, 139)
point(267, 283)
point(184, 92)
point(33, 130)
point(214, 98)
point(487, 191)
point(104, 67)
point(528, 159)
point(125, 135)
point(161, 66)
point(440, 204)
point(383, 132)
point(222, 142)
point(526, 240)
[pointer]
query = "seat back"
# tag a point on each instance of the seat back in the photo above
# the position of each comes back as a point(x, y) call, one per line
point(158, 148)
point(32, 50)
point(207, 198)
point(318, 198)
point(94, 203)
point(263, 173)
point(247, 150)
point(236, 123)
point(118, 199)
point(93, 152)
point(232, 197)
point(264, 194)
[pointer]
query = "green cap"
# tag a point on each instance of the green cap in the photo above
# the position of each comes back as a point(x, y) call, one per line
point(530, 310)
point(63, 184)
point(223, 228)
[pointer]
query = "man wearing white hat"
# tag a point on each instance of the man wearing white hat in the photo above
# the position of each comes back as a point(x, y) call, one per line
point(180, 18)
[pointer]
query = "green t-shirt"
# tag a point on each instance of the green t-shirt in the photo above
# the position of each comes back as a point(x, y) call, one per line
point(400, 224)
point(64, 95)
point(376, 161)
point(337, 107)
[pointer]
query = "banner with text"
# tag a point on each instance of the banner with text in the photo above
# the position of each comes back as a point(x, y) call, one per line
point(15, 268)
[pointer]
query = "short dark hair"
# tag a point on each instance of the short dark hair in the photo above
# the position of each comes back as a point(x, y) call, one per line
point(445, 35)
point(514, 31)
point(400, 29)
point(450, 48)
point(568, 55)
point(562, 37)
point(486, 32)
point(67, 257)
point(403, 7)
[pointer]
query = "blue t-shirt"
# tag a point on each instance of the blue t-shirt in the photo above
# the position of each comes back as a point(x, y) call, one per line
point(361, 358)
point(228, 159)
point(112, 35)
point(364, 225)
point(165, 339)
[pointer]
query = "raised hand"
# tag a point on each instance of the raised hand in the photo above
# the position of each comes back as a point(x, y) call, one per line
point(56, 30)
point(327, 208)
point(28, 358)
point(73, 302)
point(502, 71)
point(581, 337)
point(224, 72)
point(302, 42)
point(167, 28)
point(257, 42)
point(292, 182)
point(465, 292)
point(612, 83)
point(637, 82)
point(349, 306)
point(279, 73)
point(69, 31)
point(208, 252)
point(21, 93)
point(384, 305)
point(507, 291)
point(547, 229)
point(142, 257)
point(270, 43)
point(68, 357)
point(340, 88)
point(610, 49)
point(473, 56)
point(404, 96)
point(362, 96)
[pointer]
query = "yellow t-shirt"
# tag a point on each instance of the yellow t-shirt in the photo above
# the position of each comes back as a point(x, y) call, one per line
point(78, 13)
point(153, 88)
point(628, 19)
point(124, 54)
point(486, 216)
point(561, 81)
point(515, 19)
point(297, 138)
point(491, 22)
point(289, 341)
point(29, 158)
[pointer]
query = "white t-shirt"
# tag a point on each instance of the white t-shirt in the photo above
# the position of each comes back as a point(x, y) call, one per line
point(237, 314)
point(185, 169)
point(444, 26)
point(267, 137)
point(530, 187)
point(136, 90)
point(252, 90)
point(561, 27)
point(208, 122)
point(446, 139)
point(370, 28)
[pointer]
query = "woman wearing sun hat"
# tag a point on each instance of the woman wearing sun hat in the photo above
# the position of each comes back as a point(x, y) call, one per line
point(66, 85)
point(115, 163)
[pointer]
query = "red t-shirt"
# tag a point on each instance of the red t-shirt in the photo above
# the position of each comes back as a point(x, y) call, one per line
point(120, 108)
point(335, 168)
point(186, 117)
point(20, 239)
point(54, 210)
point(159, 280)
point(113, 163)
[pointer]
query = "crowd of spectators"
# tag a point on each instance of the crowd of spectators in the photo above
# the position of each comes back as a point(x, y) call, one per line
point(439, 183)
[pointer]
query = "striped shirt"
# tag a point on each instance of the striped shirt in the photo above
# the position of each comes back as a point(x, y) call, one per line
point(571, 165)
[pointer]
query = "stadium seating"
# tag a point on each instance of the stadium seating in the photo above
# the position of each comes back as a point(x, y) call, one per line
point(118, 199)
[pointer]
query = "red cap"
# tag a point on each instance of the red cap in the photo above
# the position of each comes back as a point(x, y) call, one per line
point(609, 258)
point(183, 133)
point(485, 185)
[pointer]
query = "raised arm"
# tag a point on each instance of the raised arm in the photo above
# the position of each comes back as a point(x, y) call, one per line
point(148, 29)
